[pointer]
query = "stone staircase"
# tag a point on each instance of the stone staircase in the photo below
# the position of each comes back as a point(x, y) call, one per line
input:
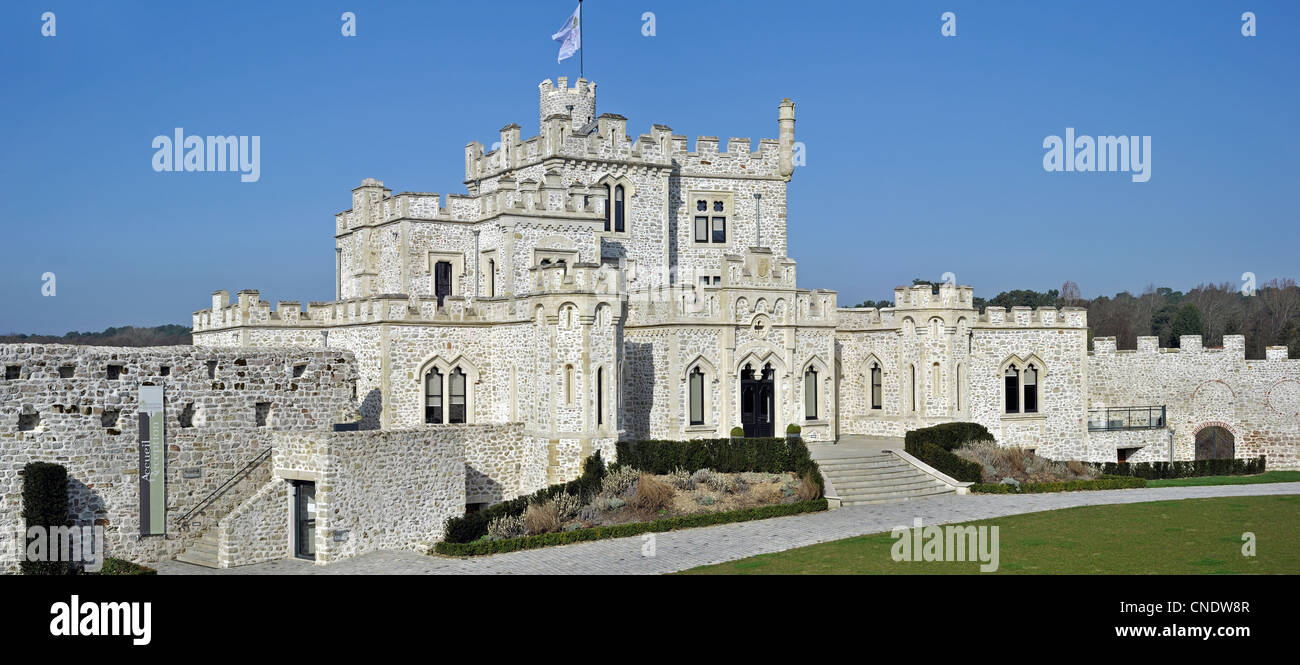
point(202, 552)
point(879, 477)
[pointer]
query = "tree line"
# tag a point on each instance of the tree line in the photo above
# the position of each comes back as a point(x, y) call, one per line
point(166, 335)
point(1268, 315)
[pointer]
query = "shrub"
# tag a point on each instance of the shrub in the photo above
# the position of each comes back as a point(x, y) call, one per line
point(113, 566)
point(45, 504)
point(652, 495)
point(738, 431)
point(793, 429)
point(1186, 469)
point(998, 463)
point(619, 481)
point(703, 477)
point(808, 490)
point(566, 506)
point(624, 530)
point(681, 479)
point(1102, 483)
point(723, 483)
point(542, 518)
point(506, 526)
point(474, 526)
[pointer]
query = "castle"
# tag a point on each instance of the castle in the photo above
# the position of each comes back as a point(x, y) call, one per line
point(588, 288)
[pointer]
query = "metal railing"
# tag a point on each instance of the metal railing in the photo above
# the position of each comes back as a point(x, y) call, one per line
point(183, 520)
point(1126, 417)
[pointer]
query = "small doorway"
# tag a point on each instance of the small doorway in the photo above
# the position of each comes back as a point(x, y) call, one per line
point(756, 399)
point(304, 520)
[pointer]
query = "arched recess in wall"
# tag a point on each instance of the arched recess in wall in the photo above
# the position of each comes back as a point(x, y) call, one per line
point(449, 390)
point(813, 389)
point(874, 376)
point(700, 379)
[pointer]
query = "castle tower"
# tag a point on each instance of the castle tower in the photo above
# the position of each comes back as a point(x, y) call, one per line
point(578, 102)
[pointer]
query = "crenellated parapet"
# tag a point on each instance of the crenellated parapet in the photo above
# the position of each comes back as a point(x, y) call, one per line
point(1234, 346)
point(249, 310)
point(1029, 317)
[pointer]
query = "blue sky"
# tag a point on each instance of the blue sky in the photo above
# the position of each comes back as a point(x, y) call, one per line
point(924, 153)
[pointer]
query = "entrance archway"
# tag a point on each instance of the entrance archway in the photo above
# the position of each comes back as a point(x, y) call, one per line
point(756, 400)
point(1215, 443)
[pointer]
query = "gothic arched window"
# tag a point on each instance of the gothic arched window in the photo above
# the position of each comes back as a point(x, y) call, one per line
point(877, 398)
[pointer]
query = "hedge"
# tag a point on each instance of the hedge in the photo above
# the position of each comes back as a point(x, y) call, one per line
point(483, 547)
point(1187, 469)
point(959, 469)
point(1103, 483)
point(949, 436)
point(763, 455)
point(469, 528)
point(114, 566)
point(45, 503)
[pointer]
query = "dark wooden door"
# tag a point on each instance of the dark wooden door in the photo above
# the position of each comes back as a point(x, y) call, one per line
point(1215, 443)
point(756, 401)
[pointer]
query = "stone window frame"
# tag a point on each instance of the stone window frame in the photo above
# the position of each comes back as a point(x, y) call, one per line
point(821, 390)
point(874, 364)
point(1020, 365)
point(487, 269)
point(446, 367)
point(608, 183)
point(457, 260)
point(709, 386)
point(712, 197)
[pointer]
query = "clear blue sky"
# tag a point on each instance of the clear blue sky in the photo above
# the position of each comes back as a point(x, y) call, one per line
point(924, 153)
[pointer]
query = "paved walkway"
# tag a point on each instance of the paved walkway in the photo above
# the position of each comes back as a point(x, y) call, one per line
point(679, 550)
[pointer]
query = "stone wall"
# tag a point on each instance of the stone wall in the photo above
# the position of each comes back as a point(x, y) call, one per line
point(1258, 401)
point(62, 407)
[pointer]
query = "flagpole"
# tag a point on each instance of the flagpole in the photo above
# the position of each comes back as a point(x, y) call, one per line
point(581, 47)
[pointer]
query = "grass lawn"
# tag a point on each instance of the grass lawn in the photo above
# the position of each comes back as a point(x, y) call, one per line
point(1266, 477)
point(1192, 536)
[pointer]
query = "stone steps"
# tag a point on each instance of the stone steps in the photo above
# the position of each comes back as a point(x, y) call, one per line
point(202, 552)
point(879, 478)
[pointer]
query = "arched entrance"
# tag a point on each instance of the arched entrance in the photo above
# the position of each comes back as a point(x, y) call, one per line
point(1215, 443)
point(756, 400)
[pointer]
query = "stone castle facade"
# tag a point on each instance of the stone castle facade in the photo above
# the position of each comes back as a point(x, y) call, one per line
point(589, 288)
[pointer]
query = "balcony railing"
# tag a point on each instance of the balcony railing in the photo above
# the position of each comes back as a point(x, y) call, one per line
point(1126, 417)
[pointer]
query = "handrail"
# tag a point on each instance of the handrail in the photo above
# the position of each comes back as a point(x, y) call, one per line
point(226, 485)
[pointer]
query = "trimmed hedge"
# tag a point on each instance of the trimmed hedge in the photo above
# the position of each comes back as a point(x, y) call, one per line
point(934, 446)
point(1187, 469)
point(959, 469)
point(763, 455)
point(1103, 483)
point(469, 528)
point(483, 547)
point(114, 566)
point(45, 503)
point(949, 436)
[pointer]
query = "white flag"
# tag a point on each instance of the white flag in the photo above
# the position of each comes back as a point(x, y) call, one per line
point(570, 36)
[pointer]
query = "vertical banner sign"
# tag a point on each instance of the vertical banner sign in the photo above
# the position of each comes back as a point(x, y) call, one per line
point(153, 462)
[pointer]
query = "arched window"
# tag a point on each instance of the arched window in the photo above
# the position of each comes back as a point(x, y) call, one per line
point(877, 396)
point(961, 376)
point(600, 395)
point(810, 394)
point(618, 209)
point(697, 396)
point(568, 384)
point(935, 379)
point(457, 400)
point(433, 397)
point(492, 278)
point(1031, 389)
point(1011, 382)
point(911, 384)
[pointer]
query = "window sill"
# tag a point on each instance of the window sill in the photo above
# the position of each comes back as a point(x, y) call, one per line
point(1024, 416)
point(710, 245)
point(700, 428)
point(615, 235)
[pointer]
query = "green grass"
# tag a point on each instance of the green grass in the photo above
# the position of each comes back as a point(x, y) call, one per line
point(1192, 536)
point(1267, 477)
